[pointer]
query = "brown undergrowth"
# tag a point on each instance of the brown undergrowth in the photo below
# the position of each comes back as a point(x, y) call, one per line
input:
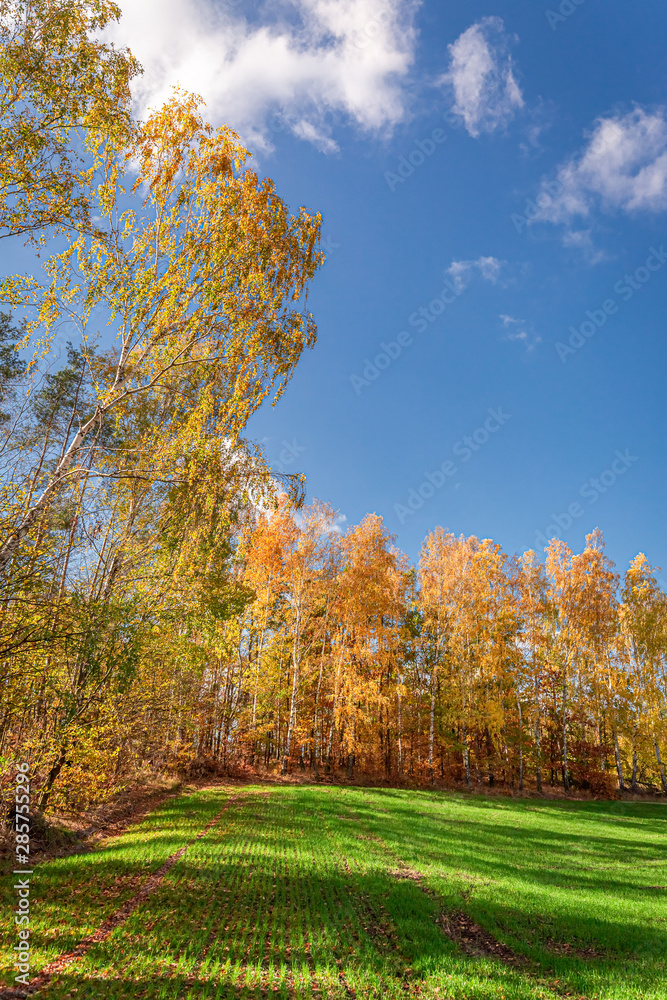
point(61, 835)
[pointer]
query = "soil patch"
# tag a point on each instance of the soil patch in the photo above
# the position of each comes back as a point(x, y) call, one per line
point(408, 873)
point(571, 950)
point(474, 940)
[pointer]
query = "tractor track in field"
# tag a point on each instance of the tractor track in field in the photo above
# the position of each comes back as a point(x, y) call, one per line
point(472, 939)
point(195, 978)
point(260, 937)
point(236, 899)
point(374, 920)
point(63, 961)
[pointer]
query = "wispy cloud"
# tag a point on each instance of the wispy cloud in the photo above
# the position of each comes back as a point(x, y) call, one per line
point(623, 166)
point(509, 320)
point(462, 271)
point(518, 330)
point(486, 93)
point(309, 60)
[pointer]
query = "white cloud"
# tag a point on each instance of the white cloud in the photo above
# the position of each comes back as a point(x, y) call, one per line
point(486, 94)
point(516, 330)
point(338, 526)
point(509, 320)
point(582, 239)
point(299, 65)
point(461, 271)
point(623, 167)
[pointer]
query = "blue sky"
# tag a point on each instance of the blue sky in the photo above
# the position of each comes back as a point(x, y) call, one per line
point(501, 167)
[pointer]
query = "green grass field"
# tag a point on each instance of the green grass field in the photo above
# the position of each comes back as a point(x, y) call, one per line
point(348, 892)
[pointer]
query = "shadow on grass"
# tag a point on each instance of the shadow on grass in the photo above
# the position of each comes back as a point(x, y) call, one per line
point(380, 931)
point(251, 903)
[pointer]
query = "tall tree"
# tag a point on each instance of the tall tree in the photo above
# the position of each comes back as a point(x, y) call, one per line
point(61, 88)
point(643, 616)
point(206, 286)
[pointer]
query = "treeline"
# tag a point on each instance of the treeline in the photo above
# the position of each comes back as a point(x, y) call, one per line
point(475, 667)
point(286, 643)
point(167, 602)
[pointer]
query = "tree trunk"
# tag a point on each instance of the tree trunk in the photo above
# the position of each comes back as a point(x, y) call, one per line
point(313, 759)
point(538, 747)
point(659, 761)
point(62, 476)
point(296, 661)
point(538, 750)
point(566, 779)
point(51, 779)
point(292, 720)
point(603, 762)
point(518, 703)
point(619, 765)
point(400, 729)
point(316, 719)
point(431, 732)
point(351, 747)
point(466, 756)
